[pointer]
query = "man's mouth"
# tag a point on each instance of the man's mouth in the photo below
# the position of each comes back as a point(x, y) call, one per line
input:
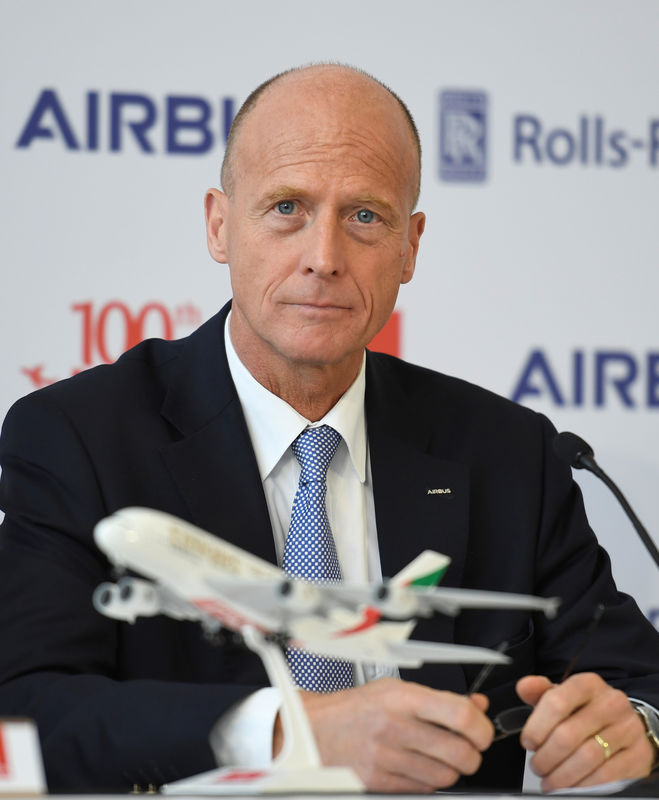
point(318, 305)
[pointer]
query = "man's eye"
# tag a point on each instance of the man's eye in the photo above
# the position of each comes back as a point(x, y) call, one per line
point(286, 207)
point(364, 215)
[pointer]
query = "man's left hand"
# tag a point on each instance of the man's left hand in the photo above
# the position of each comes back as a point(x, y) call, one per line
point(583, 732)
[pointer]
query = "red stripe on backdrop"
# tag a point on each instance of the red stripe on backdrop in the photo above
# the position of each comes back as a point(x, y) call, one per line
point(389, 338)
point(4, 763)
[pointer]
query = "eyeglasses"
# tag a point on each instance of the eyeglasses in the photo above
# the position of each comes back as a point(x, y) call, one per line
point(512, 720)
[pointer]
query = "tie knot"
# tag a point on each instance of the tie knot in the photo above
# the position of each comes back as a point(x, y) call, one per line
point(314, 448)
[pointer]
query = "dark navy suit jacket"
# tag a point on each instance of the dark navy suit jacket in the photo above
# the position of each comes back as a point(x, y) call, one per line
point(118, 704)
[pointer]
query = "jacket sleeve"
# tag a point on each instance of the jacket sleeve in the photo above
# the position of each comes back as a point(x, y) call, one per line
point(104, 725)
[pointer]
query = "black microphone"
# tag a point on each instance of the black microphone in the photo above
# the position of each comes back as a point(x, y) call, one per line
point(572, 449)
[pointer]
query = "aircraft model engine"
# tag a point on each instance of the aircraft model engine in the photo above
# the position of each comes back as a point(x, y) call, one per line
point(299, 596)
point(128, 599)
point(395, 602)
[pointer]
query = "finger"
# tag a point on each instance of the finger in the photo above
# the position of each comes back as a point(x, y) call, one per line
point(439, 747)
point(587, 760)
point(558, 703)
point(481, 701)
point(451, 750)
point(610, 707)
point(629, 764)
point(406, 767)
point(385, 782)
point(591, 765)
point(460, 714)
point(531, 688)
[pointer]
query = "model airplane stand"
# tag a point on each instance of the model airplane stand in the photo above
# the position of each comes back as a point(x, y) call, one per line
point(21, 767)
point(297, 768)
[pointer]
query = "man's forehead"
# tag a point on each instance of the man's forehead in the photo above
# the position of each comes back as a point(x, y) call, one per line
point(299, 142)
point(342, 166)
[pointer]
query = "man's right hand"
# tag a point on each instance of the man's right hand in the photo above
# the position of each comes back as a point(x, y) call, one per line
point(399, 736)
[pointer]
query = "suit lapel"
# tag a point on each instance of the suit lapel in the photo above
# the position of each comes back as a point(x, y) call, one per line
point(413, 505)
point(213, 463)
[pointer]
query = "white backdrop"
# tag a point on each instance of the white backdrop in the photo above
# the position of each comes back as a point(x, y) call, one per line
point(552, 252)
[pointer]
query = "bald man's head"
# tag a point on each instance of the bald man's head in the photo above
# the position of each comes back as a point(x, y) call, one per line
point(334, 79)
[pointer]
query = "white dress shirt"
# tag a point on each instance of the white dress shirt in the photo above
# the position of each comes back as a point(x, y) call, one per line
point(244, 734)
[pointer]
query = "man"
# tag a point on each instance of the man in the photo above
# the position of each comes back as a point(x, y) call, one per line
point(317, 224)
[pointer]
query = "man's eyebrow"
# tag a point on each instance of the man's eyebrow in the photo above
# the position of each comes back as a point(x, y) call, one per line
point(281, 193)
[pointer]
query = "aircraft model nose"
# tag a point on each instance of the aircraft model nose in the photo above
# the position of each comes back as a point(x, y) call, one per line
point(103, 535)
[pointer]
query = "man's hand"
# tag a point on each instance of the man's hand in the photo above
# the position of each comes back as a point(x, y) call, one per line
point(563, 727)
point(399, 736)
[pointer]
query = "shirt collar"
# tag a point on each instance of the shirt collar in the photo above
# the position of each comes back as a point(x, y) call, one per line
point(273, 424)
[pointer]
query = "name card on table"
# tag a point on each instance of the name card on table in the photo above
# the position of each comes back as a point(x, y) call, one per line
point(21, 767)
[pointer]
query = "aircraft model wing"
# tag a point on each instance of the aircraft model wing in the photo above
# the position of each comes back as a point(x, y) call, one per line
point(405, 602)
point(414, 653)
point(287, 599)
point(434, 598)
point(388, 643)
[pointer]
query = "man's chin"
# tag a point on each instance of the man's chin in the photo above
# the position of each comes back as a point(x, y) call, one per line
point(322, 354)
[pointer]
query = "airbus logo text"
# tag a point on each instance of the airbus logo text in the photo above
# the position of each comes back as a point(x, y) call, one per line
point(117, 121)
point(598, 378)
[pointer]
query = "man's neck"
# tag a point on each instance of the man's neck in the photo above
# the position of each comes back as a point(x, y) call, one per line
point(311, 389)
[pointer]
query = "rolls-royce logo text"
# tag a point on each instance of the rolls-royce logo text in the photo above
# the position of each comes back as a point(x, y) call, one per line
point(462, 135)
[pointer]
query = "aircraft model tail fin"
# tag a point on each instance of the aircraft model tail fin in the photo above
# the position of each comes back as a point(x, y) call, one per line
point(427, 569)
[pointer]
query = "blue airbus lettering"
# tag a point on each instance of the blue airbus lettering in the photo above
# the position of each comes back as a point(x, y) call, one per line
point(653, 616)
point(176, 124)
point(600, 378)
point(591, 142)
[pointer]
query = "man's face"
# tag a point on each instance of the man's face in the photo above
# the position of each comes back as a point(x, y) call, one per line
point(317, 228)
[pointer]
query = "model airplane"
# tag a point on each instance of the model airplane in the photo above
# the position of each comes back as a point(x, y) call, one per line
point(198, 576)
point(195, 575)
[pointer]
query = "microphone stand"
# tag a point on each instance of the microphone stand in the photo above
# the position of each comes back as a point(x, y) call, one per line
point(577, 453)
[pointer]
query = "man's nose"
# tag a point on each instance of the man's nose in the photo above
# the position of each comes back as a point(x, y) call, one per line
point(323, 253)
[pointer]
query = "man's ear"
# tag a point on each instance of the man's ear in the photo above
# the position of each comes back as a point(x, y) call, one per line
point(414, 231)
point(216, 207)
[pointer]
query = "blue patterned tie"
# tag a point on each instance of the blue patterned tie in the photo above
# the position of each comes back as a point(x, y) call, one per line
point(310, 552)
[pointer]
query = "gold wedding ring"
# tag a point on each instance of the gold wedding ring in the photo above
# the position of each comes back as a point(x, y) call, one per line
point(604, 745)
